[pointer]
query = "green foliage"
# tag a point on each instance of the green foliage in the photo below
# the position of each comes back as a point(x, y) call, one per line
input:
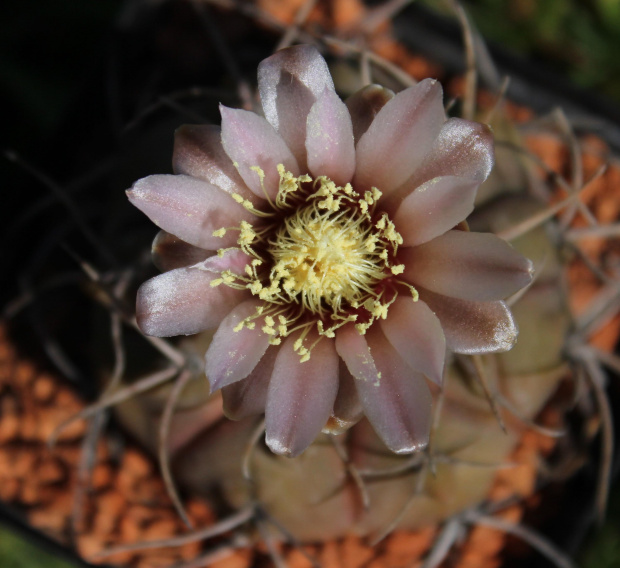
point(16, 552)
point(602, 549)
point(580, 38)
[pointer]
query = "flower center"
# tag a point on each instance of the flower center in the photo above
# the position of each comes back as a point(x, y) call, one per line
point(326, 259)
point(321, 258)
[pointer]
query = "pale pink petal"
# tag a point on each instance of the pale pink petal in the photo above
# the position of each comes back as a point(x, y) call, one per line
point(364, 105)
point(415, 332)
point(249, 396)
point(301, 395)
point(170, 252)
point(232, 259)
point(347, 406)
point(329, 139)
point(251, 142)
point(189, 208)
point(473, 327)
point(434, 208)
point(183, 302)
point(233, 354)
point(463, 149)
point(398, 404)
point(471, 266)
point(353, 348)
point(289, 83)
point(198, 152)
point(399, 137)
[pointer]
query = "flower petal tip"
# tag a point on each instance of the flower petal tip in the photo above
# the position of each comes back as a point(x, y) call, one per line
point(280, 449)
point(411, 449)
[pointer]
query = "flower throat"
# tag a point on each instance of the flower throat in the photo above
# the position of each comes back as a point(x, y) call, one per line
point(318, 260)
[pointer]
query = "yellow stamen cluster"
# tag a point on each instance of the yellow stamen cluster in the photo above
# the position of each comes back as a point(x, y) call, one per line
point(319, 264)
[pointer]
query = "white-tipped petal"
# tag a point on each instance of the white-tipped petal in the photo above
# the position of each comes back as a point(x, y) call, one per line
point(399, 137)
point(415, 332)
point(434, 208)
point(234, 352)
point(198, 152)
point(353, 348)
point(183, 302)
point(289, 82)
point(329, 139)
point(189, 208)
point(473, 327)
point(252, 144)
point(470, 266)
point(462, 148)
point(301, 395)
point(398, 404)
point(249, 396)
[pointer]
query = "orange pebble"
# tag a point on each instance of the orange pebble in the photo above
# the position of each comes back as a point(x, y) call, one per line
point(403, 544)
point(50, 470)
point(43, 388)
point(161, 559)
point(112, 503)
point(355, 553)
point(10, 426)
point(161, 529)
point(9, 489)
point(237, 559)
point(297, 559)
point(101, 477)
point(88, 545)
point(23, 374)
point(49, 519)
point(30, 493)
point(190, 550)
point(136, 464)
point(29, 428)
point(23, 462)
point(130, 530)
point(68, 401)
point(329, 557)
point(52, 417)
point(199, 512)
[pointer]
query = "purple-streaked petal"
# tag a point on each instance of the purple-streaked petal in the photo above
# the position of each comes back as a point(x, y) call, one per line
point(398, 404)
point(399, 137)
point(198, 152)
point(329, 139)
point(189, 208)
point(251, 142)
point(249, 396)
point(470, 266)
point(347, 406)
point(434, 208)
point(233, 354)
point(415, 332)
point(463, 149)
point(364, 105)
point(289, 82)
point(301, 395)
point(473, 327)
point(170, 252)
point(183, 302)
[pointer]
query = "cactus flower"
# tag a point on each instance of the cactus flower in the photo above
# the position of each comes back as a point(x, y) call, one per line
point(324, 247)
